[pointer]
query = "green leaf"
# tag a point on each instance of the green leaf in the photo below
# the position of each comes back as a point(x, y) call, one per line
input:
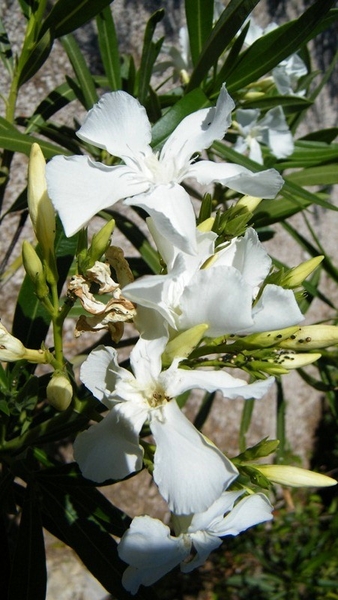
point(67, 16)
point(264, 448)
point(109, 48)
point(195, 100)
point(323, 135)
point(323, 175)
point(309, 154)
point(6, 50)
point(29, 578)
point(199, 15)
point(64, 515)
point(56, 99)
point(290, 104)
point(268, 51)
point(221, 36)
point(35, 58)
point(150, 52)
point(12, 139)
point(81, 70)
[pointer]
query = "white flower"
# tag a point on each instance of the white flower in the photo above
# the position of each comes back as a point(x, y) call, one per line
point(272, 130)
point(221, 295)
point(151, 551)
point(80, 187)
point(188, 469)
point(287, 74)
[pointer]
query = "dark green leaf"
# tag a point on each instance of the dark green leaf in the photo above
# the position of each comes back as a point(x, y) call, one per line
point(221, 36)
point(56, 99)
point(67, 16)
point(150, 52)
point(12, 139)
point(109, 48)
point(81, 70)
point(199, 15)
point(87, 536)
point(195, 100)
point(289, 103)
point(35, 58)
point(28, 576)
point(323, 175)
point(6, 50)
point(269, 50)
point(323, 135)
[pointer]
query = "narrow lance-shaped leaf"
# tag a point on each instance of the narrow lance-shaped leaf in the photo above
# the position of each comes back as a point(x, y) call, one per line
point(81, 70)
point(12, 139)
point(199, 16)
point(35, 58)
point(6, 50)
point(223, 33)
point(150, 52)
point(109, 48)
point(268, 51)
point(28, 576)
point(66, 16)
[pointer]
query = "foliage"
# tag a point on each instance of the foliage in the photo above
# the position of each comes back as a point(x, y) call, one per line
point(298, 554)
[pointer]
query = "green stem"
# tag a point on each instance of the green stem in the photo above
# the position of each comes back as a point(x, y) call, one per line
point(245, 422)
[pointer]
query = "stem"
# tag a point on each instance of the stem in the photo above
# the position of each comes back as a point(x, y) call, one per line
point(245, 422)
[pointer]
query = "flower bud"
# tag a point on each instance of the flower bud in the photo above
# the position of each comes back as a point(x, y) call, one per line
point(295, 476)
point(248, 202)
point(206, 225)
point(295, 277)
point(59, 391)
point(290, 360)
point(100, 242)
point(34, 269)
point(311, 337)
point(184, 343)
point(11, 349)
point(40, 207)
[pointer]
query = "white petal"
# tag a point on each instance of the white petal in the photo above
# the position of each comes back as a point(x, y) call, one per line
point(214, 514)
point(250, 511)
point(118, 123)
point(255, 151)
point(263, 184)
point(198, 131)
point(211, 381)
point(110, 449)
point(97, 372)
point(151, 552)
point(277, 308)
point(276, 133)
point(203, 543)
point(190, 473)
point(145, 359)
point(218, 296)
point(247, 119)
point(79, 188)
point(248, 256)
point(172, 213)
point(150, 323)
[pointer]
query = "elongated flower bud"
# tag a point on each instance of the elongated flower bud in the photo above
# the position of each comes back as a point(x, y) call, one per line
point(295, 476)
point(184, 343)
point(311, 337)
point(295, 277)
point(100, 242)
point(59, 391)
point(34, 269)
point(249, 202)
point(40, 207)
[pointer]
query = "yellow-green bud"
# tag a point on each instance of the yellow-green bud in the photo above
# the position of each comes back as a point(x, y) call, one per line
point(59, 391)
point(249, 202)
point(295, 277)
point(100, 242)
point(206, 225)
point(40, 207)
point(253, 96)
point(298, 360)
point(34, 269)
point(311, 337)
point(184, 343)
point(295, 476)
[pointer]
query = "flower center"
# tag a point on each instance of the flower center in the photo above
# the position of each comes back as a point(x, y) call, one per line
point(159, 172)
point(158, 399)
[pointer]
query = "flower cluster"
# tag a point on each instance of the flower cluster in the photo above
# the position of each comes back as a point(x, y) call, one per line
point(210, 288)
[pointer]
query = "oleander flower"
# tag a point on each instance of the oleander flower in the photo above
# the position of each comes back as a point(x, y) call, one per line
point(151, 551)
point(189, 470)
point(229, 280)
point(80, 187)
point(272, 130)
